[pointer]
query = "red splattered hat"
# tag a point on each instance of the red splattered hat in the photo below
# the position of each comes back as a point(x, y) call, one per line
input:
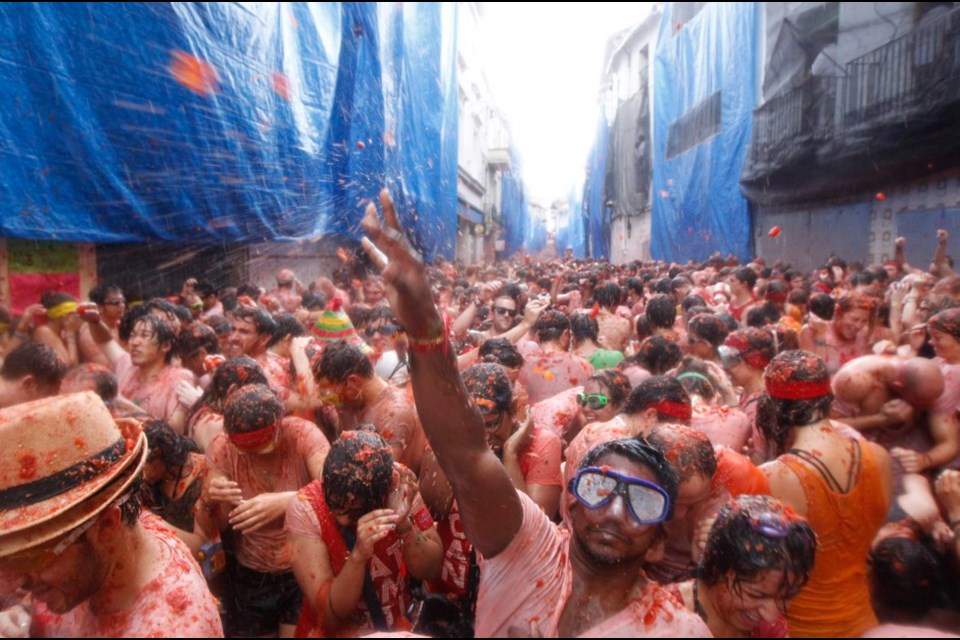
point(63, 461)
point(797, 375)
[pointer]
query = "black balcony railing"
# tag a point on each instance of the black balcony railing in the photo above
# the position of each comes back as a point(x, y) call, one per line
point(901, 97)
point(802, 115)
point(904, 75)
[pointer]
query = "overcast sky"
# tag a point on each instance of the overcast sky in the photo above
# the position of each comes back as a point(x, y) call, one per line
point(549, 93)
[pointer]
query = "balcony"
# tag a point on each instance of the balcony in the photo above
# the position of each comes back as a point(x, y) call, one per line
point(904, 77)
point(499, 158)
point(893, 114)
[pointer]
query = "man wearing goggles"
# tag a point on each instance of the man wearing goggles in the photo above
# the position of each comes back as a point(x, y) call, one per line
point(536, 577)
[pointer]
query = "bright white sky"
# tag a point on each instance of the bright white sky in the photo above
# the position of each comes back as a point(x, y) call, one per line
point(544, 63)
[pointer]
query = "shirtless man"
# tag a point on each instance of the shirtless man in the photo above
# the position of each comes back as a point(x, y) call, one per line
point(286, 292)
point(845, 337)
point(536, 579)
point(346, 379)
point(95, 566)
point(551, 368)
point(615, 330)
point(882, 396)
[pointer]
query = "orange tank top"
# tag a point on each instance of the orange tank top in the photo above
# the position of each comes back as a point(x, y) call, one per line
point(836, 600)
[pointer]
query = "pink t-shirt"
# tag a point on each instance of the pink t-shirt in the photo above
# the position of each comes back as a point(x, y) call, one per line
point(530, 582)
point(176, 603)
point(277, 371)
point(540, 461)
point(158, 397)
point(547, 373)
point(557, 413)
point(283, 469)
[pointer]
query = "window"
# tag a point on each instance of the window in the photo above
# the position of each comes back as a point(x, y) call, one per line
point(696, 126)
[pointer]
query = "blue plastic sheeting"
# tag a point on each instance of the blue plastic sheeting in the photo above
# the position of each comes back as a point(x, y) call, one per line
point(222, 122)
point(697, 205)
point(572, 236)
point(515, 208)
point(595, 208)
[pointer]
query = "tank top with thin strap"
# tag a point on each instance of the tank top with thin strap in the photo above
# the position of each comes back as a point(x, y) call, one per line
point(846, 512)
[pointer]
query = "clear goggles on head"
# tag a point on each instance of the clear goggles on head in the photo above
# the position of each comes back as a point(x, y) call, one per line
point(594, 487)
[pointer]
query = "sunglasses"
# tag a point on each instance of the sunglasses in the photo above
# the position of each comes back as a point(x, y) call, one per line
point(383, 329)
point(503, 311)
point(647, 502)
point(592, 400)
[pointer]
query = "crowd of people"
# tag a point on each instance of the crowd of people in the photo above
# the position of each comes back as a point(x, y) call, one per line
point(535, 448)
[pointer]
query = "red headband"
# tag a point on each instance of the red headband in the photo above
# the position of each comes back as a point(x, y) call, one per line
point(796, 390)
point(671, 409)
point(252, 440)
point(751, 356)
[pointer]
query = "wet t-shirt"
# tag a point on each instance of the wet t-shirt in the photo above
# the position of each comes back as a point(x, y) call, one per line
point(283, 469)
point(395, 418)
point(158, 396)
point(277, 371)
point(540, 461)
point(727, 426)
point(557, 413)
point(176, 603)
point(547, 373)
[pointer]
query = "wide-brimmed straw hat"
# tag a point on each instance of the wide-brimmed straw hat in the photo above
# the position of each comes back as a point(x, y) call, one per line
point(63, 460)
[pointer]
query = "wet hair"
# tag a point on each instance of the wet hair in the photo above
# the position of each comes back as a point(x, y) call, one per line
point(661, 311)
point(359, 470)
point(656, 354)
point(688, 450)
point(163, 335)
point(776, 416)
point(823, 306)
point(735, 546)
point(746, 275)
point(219, 324)
point(617, 385)
point(235, 372)
point(489, 382)
point(285, 324)
point(662, 286)
point(34, 359)
point(195, 336)
point(582, 327)
point(340, 360)
point(205, 289)
point(854, 300)
point(691, 302)
point(762, 315)
point(100, 292)
point(314, 301)
point(679, 282)
point(500, 351)
point(635, 285)
point(708, 327)
point(174, 449)
point(651, 391)
point(551, 325)
point(250, 290)
point(760, 344)
point(642, 327)
point(130, 316)
point(50, 299)
point(638, 450)
point(798, 297)
point(608, 295)
point(262, 321)
point(947, 322)
point(165, 307)
point(103, 379)
point(906, 577)
point(729, 320)
point(702, 383)
point(251, 408)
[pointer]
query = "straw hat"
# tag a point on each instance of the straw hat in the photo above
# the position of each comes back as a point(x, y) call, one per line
point(334, 324)
point(62, 462)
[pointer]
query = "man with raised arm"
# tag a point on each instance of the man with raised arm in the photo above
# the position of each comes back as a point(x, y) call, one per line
point(537, 579)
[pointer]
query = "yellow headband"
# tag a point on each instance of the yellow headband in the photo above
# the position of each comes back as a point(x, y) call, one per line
point(61, 310)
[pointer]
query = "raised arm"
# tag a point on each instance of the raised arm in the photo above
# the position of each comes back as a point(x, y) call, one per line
point(489, 506)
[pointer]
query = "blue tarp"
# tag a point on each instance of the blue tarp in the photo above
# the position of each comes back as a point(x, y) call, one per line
point(697, 205)
point(219, 122)
point(514, 205)
point(595, 208)
point(572, 236)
